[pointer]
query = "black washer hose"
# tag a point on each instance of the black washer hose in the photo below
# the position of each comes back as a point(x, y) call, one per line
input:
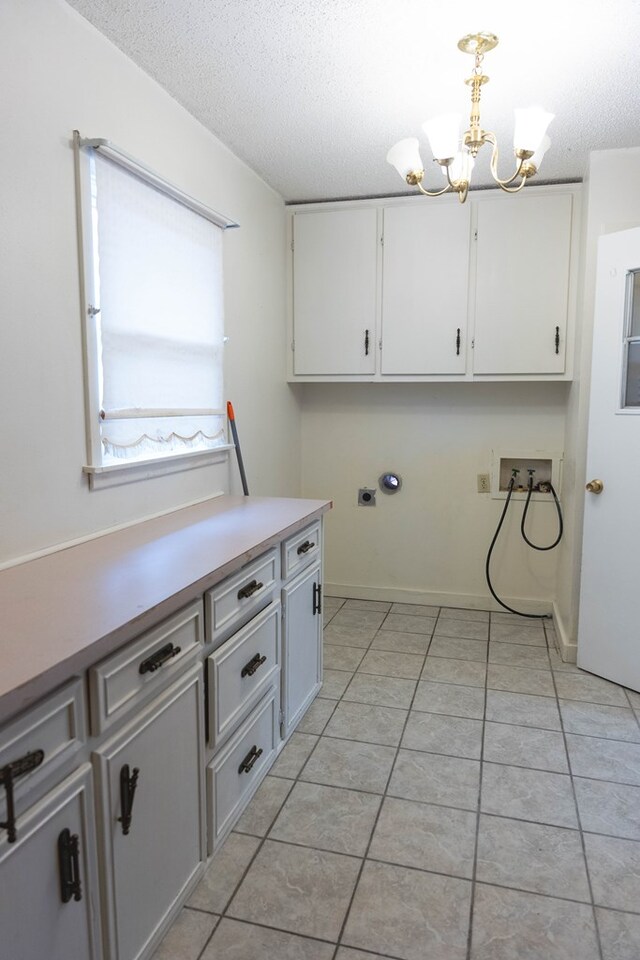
point(524, 518)
point(531, 616)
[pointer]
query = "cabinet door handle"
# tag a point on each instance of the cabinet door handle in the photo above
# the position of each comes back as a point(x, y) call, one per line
point(557, 340)
point(250, 668)
point(250, 759)
point(128, 786)
point(458, 342)
point(317, 598)
point(366, 343)
point(69, 866)
point(250, 589)
point(157, 659)
point(8, 774)
point(305, 547)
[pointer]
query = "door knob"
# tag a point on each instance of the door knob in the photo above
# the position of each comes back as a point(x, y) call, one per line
point(595, 486)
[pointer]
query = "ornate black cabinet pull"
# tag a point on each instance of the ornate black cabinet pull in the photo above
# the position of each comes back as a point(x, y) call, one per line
point(69, 866)
point(250, 759)
point(156, 660)
point(557, 339)
point(458, 342)
point(250, 589)
point(366, 343)
point(128, 785)
point(317, 598)
point(250, 668)
point(8, 774)
point(305, 547)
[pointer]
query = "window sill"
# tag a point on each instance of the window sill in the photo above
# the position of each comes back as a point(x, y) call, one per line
point(116, 474)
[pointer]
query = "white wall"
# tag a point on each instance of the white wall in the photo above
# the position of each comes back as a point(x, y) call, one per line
point(611, 202)
point(430, 540)
point(58, 73)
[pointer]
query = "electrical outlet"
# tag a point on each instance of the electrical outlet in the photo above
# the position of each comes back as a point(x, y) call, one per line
point(484, 483)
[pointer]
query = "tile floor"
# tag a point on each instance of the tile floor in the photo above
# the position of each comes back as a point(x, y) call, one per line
point(455, 793)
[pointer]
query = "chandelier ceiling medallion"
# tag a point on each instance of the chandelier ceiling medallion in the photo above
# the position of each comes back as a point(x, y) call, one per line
point(530, 140)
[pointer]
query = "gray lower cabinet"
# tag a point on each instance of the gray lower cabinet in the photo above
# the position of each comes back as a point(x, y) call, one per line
point(49, 906)
point(151, 798)
point(302, 644)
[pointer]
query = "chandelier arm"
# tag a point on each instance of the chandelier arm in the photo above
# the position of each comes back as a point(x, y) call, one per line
point(436, 193)
point(504, 184)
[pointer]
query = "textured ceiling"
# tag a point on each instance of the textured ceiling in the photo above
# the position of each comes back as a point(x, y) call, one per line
point(312, 93)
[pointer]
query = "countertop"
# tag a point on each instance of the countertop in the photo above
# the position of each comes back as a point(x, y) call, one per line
point(65, 611)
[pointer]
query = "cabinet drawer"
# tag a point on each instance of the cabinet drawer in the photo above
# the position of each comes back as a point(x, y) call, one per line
point(232, 602)
point(241, 670)
point(56, 727)
point(301, 549)
point(229, 783)
point(126, 679)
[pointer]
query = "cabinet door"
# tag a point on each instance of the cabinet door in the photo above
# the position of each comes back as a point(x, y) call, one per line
point(35, 922)
point(522, 284)
point(151, 861)
point(302, 645)
point(334, 291)
point(425, 288)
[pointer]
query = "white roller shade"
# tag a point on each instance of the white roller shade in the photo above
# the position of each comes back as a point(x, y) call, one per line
point(158, 276)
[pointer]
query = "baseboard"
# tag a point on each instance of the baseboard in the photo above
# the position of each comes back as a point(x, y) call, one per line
point(567, 646)
point(466, 601)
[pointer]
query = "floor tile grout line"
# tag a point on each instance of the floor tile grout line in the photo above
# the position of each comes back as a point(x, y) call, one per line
point(474, 871)
point(375, 824)
point(581, 833)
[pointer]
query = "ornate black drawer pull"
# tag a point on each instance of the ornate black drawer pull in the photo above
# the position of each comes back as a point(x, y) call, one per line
point(557, 339)
point(69, 866)
point(306, 546)
point(458, 342)
point(8, 774)
point(156, 660)
point(250, 589)
point(250, 759)
point(250, 668)
point(128, 785)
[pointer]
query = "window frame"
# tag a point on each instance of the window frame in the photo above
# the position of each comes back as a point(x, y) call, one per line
point(100, 474)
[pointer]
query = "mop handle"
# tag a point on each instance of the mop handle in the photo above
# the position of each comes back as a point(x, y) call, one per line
point(234, 434)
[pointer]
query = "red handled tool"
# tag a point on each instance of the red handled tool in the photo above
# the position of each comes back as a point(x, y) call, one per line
point(234, 434)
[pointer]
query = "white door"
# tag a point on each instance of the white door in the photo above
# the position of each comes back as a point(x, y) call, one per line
point(335, 255)
point(609, 627)
point(302, 653)
point(152, 849)
point(425, 288)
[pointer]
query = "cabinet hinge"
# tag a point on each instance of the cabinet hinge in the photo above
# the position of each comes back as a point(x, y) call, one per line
point(292, 245)
point(475, 234)
point(473, 343)
point(293, 346)
point(382, 240)
point(379, 344)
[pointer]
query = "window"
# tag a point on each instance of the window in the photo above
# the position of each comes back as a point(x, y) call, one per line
point(154, 330)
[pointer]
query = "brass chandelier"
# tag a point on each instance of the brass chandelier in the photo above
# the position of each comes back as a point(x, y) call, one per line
point(443, 132)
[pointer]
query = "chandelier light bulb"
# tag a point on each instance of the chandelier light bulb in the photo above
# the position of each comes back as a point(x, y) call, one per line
point(538, 156)
point(530, 128)
point(461, 167)
point(443, 133)
point(405, 157)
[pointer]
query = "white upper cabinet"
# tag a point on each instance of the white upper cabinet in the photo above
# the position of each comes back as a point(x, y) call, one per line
point(475, 291)
point(425, 288)
point(335, 291)
point(522, 284)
